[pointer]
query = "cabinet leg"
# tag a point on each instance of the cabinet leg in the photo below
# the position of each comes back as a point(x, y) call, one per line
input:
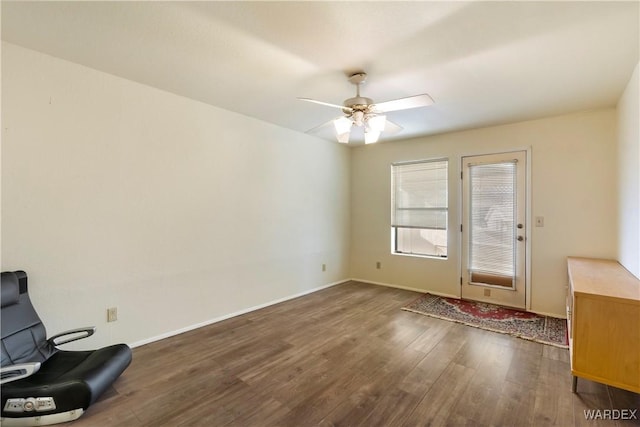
point(574, 384)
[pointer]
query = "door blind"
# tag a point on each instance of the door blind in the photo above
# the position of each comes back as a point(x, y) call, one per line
point(492, 223)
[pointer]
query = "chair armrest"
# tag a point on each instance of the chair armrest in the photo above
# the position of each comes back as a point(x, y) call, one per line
point(17, 372)
point(77, 334)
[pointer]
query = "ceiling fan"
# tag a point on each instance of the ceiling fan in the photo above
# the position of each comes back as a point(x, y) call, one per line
point(363, 112)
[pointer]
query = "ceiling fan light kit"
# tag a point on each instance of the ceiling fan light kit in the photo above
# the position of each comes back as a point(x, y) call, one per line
point(361, 111)
point(342, 126)
point(371, 136)
point(377, 123)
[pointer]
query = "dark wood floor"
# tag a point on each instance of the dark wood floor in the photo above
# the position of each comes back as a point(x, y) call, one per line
point(348, 356)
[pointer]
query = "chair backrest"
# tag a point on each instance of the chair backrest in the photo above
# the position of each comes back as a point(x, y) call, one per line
point(24, 337)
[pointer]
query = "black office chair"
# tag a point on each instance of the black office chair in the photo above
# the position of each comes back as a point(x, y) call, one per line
point(40, 383)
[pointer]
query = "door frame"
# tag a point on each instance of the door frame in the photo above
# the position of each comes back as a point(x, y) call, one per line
point(528, 215)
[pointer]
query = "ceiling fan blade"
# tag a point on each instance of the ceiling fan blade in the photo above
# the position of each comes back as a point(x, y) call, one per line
point(324, 125)
point(404, 103)
point(391, 128)
point(340, 126)
point(342, 107)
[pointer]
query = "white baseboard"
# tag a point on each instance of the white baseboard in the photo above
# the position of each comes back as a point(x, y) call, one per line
point(230, 315)
point(423, 291)
point(290, 297)
point(406, 288)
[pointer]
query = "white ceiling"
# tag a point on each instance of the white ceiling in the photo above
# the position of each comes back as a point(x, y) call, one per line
point(483, 63)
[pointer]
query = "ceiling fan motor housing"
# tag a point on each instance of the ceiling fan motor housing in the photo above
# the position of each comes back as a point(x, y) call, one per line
point(357, 103)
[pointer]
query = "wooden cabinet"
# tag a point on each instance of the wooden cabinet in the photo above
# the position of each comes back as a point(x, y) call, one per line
point(603, 314)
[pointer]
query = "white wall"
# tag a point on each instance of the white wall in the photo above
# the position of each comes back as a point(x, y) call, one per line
point(176, 212)
point(629, 176)
point(573, 182)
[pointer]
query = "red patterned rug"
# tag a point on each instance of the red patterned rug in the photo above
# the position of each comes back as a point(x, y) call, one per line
point(522, 324)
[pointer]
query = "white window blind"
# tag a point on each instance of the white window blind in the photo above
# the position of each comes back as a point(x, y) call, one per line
point(419, 197)
point(492, 219)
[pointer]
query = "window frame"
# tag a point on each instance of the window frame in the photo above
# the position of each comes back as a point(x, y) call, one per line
point(395, 228)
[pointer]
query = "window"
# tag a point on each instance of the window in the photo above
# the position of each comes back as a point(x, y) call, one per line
point(419, 207)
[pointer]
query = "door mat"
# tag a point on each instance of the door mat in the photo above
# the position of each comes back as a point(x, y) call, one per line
point(491, 317)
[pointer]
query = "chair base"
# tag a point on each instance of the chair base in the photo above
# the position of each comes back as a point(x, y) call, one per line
point(42, 420)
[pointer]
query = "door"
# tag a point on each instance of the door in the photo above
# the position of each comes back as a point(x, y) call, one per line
point(493, 228)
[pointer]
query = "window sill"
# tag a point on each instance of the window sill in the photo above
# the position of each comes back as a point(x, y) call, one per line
point(420, 256)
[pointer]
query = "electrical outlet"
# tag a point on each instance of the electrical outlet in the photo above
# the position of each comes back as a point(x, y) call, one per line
point(539, 221)
point(112, 314)
point(378, 265)
point(487, 292)
point(324, 267)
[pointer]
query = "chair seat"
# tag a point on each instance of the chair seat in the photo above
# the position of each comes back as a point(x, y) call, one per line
point(75, 379)
point(66, 383)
